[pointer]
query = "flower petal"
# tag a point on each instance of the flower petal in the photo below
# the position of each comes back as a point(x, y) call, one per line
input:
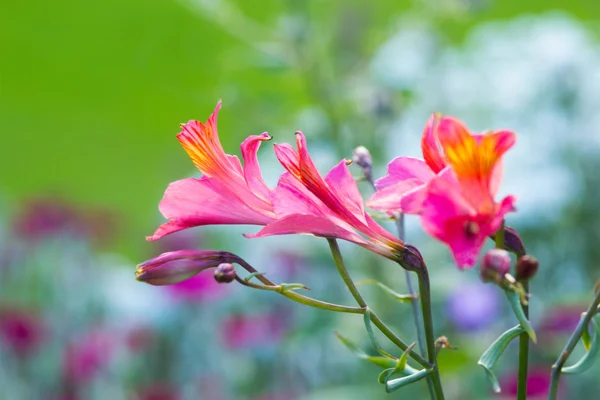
point(390, 198)
point(403, 168)
point(252, 172)
point(342, 184)
point(309, 224)
point(430, 146)
point(474, 159)
point(194, 202)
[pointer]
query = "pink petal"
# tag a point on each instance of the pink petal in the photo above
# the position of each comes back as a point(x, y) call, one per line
point(252, 172)
point(430, 145)
point(194, 202)
point(403, 168)
point(389, 199)
point(342, 184)
point(309, 224)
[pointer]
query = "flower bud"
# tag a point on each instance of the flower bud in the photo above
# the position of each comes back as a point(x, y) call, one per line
point(512, 241)
point(527, 267)
point(176, 266)
point(363, 159)
point(225, 273)
point(495, 264)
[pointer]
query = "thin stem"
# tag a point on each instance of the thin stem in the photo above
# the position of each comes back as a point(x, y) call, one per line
point(425, 296)
point(523, 355)
point(415, 305)
point(329, 306)
point(564, 355)
point(339, 263)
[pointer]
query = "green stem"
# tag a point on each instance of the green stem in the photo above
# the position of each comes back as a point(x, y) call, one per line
point(564, 355)
point(415, 306)
point(425, 296)
point(523, 355)
point(341, 267)
point(339, 263)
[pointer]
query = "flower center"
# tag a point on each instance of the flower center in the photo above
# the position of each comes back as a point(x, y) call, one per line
point(471, 228)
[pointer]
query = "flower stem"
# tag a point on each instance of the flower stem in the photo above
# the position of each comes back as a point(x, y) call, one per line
point(339, 263)
point(415, 306)
point(425, 296)
point(523, 355)
point(564, 355)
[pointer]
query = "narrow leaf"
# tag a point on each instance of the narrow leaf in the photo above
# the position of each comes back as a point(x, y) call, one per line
point(515, 302)
point(367, 321)
point(254, 274)
point(292, 286)
point(491, 356)
point(589, 357)
point(396, 384)
point(401, 366)
point(383, 362)
point(404, 298)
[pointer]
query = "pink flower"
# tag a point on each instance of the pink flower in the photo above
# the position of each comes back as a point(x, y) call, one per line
point(227, 193)
point(332, 207)
point(201, 287)
point(86, 357)
point(20, 330)
point(242, 331)
point(538, 384)
point(453, 189)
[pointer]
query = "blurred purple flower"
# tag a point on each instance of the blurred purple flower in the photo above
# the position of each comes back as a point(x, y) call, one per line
point(562, 319)
point(158, 391)
point(22, 331)
point(538, 383)
point(47, 216)
point(473, 306)
point(200, 287)
point(240, 331)
point(84, 358)
point(288, 263)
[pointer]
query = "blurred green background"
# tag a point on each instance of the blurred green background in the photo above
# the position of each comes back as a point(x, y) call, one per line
point(92, 95)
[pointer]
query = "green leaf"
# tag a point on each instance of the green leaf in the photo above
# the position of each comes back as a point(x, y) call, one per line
point(589, 357)
point(403, 298)
point(491, 356)
point(383, 362)
point(396, 384)
point(399, 368)
point(292, 286)
point(367, 321)
point(515, 302)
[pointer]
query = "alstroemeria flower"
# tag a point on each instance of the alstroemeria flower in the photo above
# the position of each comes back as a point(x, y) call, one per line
point(332, 207)
point(453, 189)
point(460, 208)
point(227, 193)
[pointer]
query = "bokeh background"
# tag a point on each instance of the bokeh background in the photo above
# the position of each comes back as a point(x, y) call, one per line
point(91, 95)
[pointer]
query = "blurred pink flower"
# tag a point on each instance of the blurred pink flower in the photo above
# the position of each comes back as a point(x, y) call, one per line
point(21, 330)
point(242, 331)
point(307, 203)
point(453, 189)
point(538, 383)
point(226, 193)
point(49, 216)
point(158, 391)
point(84, 358)
point(200, 287)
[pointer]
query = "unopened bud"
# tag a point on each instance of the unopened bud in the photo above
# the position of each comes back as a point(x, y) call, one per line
point(512, 241)
point(363, 159)
point(527, 267)
point(176, 266)
point(225, 273)
point(495, 265)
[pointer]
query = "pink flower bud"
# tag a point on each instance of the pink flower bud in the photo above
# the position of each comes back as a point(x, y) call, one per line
point(176, 266)
point(225, 273)
point(495, 264)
